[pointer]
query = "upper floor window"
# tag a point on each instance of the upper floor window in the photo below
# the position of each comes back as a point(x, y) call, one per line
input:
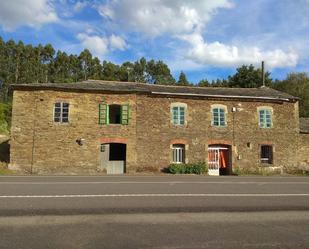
point(266, 154)
point(61, 112)
point(265, 117)
point(178, 153)
point(218, 115)
point(178, 112)
point(114, 114)
point(178, 115)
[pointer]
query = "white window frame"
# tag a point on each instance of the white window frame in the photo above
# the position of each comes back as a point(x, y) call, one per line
point(220, 108)
point(267, 120)
point(178, 153)
point(176, 116)
point(63, 110)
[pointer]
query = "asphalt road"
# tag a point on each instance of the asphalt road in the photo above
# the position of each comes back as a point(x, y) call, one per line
point(154, 212)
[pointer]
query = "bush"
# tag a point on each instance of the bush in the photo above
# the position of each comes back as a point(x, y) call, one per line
point(192, 168)
point(5, 118)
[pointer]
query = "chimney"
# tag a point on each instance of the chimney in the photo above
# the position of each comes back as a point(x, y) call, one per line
point(263, 75)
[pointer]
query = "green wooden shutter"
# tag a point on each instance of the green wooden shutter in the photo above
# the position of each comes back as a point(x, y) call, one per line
point(125, 110)
point(103, 114)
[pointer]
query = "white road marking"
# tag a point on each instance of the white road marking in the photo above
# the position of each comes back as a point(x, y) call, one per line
point(163, 182)
point(152, 195)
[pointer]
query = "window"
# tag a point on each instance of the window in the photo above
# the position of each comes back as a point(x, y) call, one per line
point(178, 153)
point(266, 154)
point(61, 112)
point(178, 115)
point(218, 116)
point(265, 118)
point(114, 114)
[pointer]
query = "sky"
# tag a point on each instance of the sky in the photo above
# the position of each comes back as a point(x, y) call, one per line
point(207, 39)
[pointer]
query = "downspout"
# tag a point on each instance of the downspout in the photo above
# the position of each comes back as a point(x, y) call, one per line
point(33, 134)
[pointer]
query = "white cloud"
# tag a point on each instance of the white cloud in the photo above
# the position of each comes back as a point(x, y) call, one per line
point(116, 42)
point(100, 46)
point(220, 54)
point(187, 20)
point(14, 13)
point(97, 45)
point(156, 17)
point(79, 6)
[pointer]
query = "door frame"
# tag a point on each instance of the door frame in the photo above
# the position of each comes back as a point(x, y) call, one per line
point(214, 166)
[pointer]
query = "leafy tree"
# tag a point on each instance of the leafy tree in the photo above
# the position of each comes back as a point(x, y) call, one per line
point(85, 59)
point(47, 60)
point(296, 84)
point(95, 71)
point(159, 73)
point(203, 83)
point(182, 81)
point(140, 70)
point(248, 77)
point(126, 72)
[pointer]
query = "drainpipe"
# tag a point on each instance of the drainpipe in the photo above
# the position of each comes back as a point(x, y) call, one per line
point(33, 134)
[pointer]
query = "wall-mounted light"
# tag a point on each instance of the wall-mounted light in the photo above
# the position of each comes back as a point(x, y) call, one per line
point(80, 141)
point(234, 109)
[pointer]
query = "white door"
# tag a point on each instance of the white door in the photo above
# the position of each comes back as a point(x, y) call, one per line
point(213, 161)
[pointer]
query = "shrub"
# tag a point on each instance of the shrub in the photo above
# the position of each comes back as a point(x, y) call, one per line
point(192, 168)
point(5, 117)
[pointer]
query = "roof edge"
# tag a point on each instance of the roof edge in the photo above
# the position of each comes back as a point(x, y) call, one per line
point(223, 96)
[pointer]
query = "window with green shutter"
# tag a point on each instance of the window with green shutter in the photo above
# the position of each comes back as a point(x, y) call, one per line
point(125, 114)
point(114, 114)
point(103, 114)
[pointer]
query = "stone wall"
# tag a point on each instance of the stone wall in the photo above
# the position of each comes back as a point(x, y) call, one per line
point(303, 151)
point(242, 131)
point(40, 146)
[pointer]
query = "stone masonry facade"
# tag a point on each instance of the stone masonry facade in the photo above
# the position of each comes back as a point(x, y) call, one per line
point(41, 146)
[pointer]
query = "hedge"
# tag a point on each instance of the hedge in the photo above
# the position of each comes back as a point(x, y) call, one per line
point(192, 168)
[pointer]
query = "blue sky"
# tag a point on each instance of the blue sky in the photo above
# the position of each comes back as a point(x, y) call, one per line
point(204, 38)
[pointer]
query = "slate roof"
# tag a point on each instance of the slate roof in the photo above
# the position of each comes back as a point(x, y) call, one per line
point(304, 125)
point(133, 87)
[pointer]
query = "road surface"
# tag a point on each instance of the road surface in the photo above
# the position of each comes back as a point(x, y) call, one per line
point(154, 212)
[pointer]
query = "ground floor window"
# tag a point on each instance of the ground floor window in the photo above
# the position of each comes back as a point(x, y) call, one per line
point(267, 154)
point(178, 153)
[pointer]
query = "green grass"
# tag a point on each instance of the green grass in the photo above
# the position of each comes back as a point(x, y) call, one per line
point(6, 172)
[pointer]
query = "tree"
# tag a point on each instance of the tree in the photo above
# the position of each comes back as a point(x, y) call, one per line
point(159, 73)
point(203, 83)
point(248, 77)
point(139, 70)
point(296, 84)
point(85, 59)
point(110, 71)
point(47, 60)
point(95, 71)
point(182, 81)
point(126, 72)
point(61, 69)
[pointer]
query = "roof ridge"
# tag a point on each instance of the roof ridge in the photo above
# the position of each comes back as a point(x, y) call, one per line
point(162, 85)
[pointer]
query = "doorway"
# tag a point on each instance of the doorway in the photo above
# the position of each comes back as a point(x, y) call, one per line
point(113, 158)
point(219, 159)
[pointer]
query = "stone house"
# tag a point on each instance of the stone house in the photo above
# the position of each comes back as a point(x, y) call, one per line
point(116, 127)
